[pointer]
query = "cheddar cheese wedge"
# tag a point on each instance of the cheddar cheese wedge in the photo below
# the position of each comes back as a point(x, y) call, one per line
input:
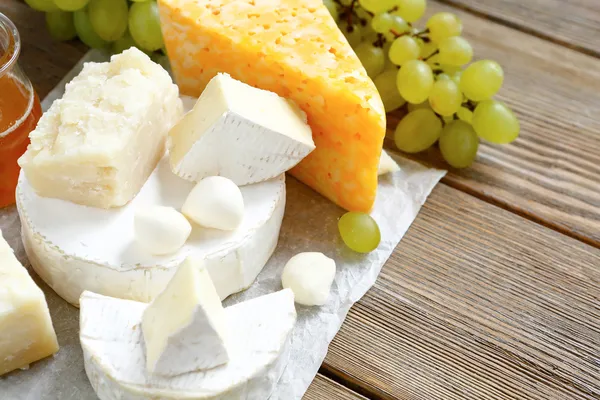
point(295, 49)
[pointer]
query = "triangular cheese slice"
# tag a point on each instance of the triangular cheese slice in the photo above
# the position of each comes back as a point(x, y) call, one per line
point(295, 49)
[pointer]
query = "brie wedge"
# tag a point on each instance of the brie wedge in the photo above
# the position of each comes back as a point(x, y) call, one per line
point(184, 327)
point(100, 142)
point(114, 357)
point(76, 248)
point(26, 332)
point(242, 133)
point(387, 164)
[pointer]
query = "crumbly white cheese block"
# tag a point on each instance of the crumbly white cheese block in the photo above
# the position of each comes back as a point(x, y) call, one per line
point(237, 131)
point(113, 350)
point(310, 276)
point(76, 248)
point(26, 332)
point(160, 229)
point(98, 144)
point(184, 327)
point(387, 164)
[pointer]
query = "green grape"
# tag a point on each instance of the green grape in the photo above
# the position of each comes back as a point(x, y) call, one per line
point(459, 144)
point(353, 34)
point(144, 25)
point(377, 6)
point(123, 43)
point(433, 61)
point(418, 131)
point(456, 77)
point(464, 114)
point(85, 31)
point(60, 25)
point(445, 97)
point(386, 86)
point(411, 10)
point(346, 3)
point(442, 77)
point(427, 49)
point(109, 18)
point(495, 122)
point(443, 25)
point(382, 23)
point(389, 65)
point(481, 80)
point(71, 5)
point(414, 81)
point(371, 57)
point(42, 5)
point(359, 231)
point(404, 49)
point(424, 105)
point(399, 25)
point(455, 51)
point(330, 4)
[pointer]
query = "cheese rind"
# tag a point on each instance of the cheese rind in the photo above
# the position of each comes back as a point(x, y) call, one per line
point(98, 144)
point(75, 248)
point(239, 132)
point(26, 332)
point(295, 49)
point(184, 327)
point(114, 357)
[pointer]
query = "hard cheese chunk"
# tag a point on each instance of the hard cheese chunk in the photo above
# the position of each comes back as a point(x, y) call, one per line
point(184, 327)
point(242, 133)
point(98, 144)
point(26, 332)
point(295, 49)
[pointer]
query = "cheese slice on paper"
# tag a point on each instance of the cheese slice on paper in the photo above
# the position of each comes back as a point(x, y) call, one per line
point(98, 144)
point(26, 332)
point(295, 49)
point(75, 248)
point(184, 327)
point(115, 363)
point(239, 132)
point(387, 164)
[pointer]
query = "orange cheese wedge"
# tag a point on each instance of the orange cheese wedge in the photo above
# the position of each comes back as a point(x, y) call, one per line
point(295, 49)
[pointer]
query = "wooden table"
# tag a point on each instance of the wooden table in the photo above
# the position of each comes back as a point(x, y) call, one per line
point(494, 293)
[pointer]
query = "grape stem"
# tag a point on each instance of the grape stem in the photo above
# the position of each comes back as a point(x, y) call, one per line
point(431, 55)
point(470, 105)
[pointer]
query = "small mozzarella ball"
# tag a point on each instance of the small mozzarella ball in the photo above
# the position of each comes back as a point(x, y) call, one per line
point(215, 202)
point(160, 230)
point(310, 276)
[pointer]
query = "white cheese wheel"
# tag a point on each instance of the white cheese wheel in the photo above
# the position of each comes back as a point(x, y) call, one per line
point(75, 248)
point(115, 361)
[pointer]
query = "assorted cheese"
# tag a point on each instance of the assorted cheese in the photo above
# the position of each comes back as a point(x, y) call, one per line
point(26, 332)
point(115, 360)
point(160, 229)
point(309, 276)
point(242, 133)
point(98, 144)
point(215, 202)
point(387, 164)
point(295, 49)
point(76, 248)
point(184, 328)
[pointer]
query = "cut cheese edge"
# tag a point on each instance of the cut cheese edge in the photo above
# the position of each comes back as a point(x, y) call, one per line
point(387, 164)
point(98, 144)
point(26, 332)
point(75, 248)
point(239, 132)
point(184, 327)
point(295, 49)
point(114, 357)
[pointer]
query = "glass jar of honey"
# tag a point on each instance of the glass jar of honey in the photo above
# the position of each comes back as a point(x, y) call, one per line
point(20, 110)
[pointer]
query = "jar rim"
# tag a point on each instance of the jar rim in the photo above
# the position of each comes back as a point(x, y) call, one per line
point(9, 58)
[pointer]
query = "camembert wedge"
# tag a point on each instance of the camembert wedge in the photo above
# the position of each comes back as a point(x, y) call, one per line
point(295, 49)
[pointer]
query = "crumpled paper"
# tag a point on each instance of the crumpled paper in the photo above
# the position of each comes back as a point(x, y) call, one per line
point(309, 224)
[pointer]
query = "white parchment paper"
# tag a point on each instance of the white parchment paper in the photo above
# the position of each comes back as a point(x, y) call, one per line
point(310, 224)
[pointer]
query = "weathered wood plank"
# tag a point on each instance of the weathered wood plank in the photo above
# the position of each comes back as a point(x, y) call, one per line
point(552, 172)
point(323, 388)
point(573, 23)
point(476, 303)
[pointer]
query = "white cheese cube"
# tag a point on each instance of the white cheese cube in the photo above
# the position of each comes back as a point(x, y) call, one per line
point(310, 276)
point(98, 144)
point(184, 327)
point(26, 332)
point(160, 229)
point(387, 164)
point(237, 131)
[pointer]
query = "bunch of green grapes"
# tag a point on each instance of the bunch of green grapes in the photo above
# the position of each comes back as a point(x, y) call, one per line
point(449, 98)
point(110, 24)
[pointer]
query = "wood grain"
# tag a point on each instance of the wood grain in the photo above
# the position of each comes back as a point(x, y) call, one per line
point(323, 388)
point(476, 303)
point(573, 23)
point(551, 174)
